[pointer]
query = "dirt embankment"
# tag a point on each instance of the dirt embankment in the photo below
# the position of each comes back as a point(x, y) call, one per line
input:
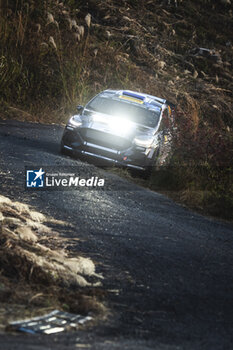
point(54, 55)
point(37, 274)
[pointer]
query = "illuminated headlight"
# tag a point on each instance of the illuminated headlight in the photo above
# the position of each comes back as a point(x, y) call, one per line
point(143, 141)
point(116, 125)
point(75, 121)
point(120, 126)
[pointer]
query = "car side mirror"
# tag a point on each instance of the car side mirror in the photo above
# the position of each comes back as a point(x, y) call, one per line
point(80, 108)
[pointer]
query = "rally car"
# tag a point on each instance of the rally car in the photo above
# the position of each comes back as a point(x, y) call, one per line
point(122, 127)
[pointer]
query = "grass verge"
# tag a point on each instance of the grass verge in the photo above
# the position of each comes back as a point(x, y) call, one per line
point(37, 274)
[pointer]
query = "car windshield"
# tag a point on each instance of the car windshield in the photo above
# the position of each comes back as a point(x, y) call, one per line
point(132, 112)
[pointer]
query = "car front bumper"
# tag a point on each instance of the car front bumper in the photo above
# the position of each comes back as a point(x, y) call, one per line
point(132, 157)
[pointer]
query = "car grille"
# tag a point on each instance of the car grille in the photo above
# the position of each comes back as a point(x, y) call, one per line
point(105, 139)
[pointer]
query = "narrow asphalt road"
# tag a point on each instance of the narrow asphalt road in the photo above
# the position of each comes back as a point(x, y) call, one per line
point(173, 268)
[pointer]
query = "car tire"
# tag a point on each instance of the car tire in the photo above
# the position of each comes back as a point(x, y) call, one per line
point(63, 150)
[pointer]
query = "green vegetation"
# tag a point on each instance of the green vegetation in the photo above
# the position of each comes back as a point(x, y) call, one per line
point(54, 56)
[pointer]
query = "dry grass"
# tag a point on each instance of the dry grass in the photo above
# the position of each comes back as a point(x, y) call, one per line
point(73, 56)
point(36, 276)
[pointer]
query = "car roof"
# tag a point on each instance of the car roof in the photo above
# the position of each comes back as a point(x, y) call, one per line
point(145, 100)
